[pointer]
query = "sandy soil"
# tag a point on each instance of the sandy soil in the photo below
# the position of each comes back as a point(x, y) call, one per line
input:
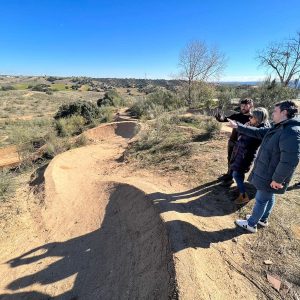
point(9, 157)
point(94, 228)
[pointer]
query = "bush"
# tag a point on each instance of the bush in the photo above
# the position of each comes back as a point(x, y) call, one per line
point(271, 92)
point(52, 78)
point(55, 145)
point(81, 140)
point(161, 142)
point(7, 88)
point(224, 98)
point(41, 88)
point(28, 136)
point(211, 128)
point(202, 95)
point(155, 104)
point(89, 111)
point(106, 114)
point(111, 98)
point(69, 126)
point(7, 185)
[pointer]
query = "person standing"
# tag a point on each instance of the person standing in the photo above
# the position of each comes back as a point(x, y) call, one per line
point(244, 151)
point(276, 161)
point(242, 117)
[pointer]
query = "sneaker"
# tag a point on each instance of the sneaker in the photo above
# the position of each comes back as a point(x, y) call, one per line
point(244, 224)
point(242, 199)
point(260, 222)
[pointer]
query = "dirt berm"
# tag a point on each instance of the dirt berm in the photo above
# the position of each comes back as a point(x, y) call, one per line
point(105, 231)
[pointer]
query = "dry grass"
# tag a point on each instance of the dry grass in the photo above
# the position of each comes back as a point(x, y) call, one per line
point(20, 103)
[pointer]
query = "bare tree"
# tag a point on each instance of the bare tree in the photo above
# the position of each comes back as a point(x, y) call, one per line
point(199, 62)
point(283, 58)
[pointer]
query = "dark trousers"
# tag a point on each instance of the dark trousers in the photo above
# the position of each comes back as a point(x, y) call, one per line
point(230, 147)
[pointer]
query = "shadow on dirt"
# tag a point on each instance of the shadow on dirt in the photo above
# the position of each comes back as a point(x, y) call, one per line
point(207, 200)
point(128, 257)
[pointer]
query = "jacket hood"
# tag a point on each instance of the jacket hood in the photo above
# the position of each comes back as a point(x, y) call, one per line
point(292, 122)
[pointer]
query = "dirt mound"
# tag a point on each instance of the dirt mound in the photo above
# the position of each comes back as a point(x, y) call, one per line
point(126, 129)
point(9, 157)
point(124, 254)
point(106, 231)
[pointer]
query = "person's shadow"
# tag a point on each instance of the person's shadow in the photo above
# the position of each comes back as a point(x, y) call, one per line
point(130, 255)
point(207, 200)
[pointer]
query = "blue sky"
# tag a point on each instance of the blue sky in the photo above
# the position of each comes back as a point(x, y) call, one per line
point(137, 38)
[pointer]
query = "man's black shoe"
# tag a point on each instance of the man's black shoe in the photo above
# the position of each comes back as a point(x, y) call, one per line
point(225, 177)
point(227, 183)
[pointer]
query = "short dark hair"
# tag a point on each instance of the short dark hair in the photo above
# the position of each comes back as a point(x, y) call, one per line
point(246, 101)
point(288, 105)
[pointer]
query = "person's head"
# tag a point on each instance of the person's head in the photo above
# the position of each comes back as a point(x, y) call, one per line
point(284, 110)
point(246, 105)
point(259, 115)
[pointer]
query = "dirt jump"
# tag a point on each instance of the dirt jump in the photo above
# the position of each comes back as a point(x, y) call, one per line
point(94, 228)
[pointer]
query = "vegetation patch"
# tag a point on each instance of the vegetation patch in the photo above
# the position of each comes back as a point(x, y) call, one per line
point(7, 185)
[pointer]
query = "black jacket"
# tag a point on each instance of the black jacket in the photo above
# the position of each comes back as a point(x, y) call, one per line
point(244, 151)
point(278, 155)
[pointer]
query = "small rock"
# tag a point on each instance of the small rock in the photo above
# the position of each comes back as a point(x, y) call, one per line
point(268, 262)
point(275, 281)
point(235, 240)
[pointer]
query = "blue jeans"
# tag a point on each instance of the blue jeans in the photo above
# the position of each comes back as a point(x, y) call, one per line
point(239, 178)
point(262, 208)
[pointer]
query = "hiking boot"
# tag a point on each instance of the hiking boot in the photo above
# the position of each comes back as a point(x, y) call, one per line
point(227, 183)
point(244, 224)
point(225, 177)
point(242, 199)
point(260, 222)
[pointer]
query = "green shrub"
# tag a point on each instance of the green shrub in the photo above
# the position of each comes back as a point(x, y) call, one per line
point(270, 92)
point(7, 88)
point(155, 104)
point(210, 127)
point(111, 98)
point(225, 95)
point(88, 110)
point(7, 185)
point(81, 140)
point(69, 126)
point(41, 87)
point(106, 114)
point(56, 145)
point(52, 78)
point(161, 142)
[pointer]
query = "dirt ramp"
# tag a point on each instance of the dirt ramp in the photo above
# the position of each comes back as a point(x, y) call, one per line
point(133, 256)
point(127, 257)
point(126, 129)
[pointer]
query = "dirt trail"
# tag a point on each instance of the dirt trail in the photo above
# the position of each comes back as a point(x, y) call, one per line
point(105, 231)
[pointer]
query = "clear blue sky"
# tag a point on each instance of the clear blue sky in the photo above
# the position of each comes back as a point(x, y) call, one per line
point(136, 38)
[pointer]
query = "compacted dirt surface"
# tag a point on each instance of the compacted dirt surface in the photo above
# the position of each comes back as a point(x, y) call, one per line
point(92, 227)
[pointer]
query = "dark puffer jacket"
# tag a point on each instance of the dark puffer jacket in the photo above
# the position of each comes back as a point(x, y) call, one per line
point(278, 155)
point(244, 151)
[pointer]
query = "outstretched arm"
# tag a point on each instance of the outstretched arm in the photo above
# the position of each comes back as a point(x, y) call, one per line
point(254, 132)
